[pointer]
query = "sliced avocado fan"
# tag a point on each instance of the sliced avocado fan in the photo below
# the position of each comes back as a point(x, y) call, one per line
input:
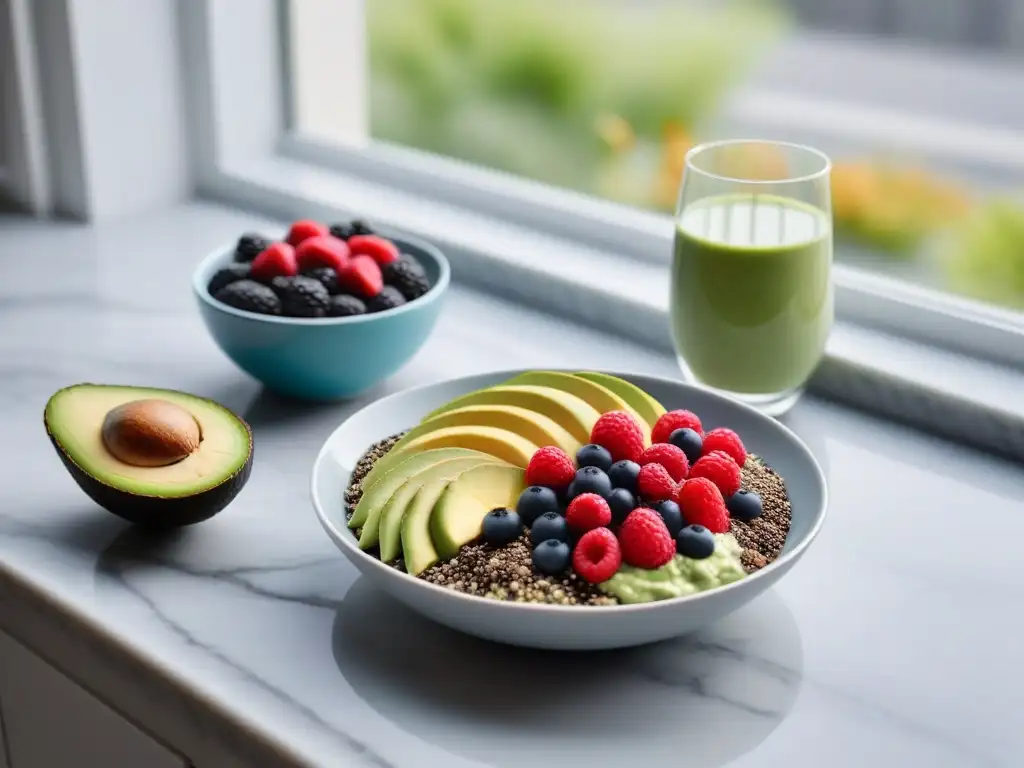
point(398, 469)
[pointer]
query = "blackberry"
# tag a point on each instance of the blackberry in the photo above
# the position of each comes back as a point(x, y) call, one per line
point(341, 231)
point(250, 296)
point(325, 276)
point(250, 245)
point(230, 274)
point(388, 298)
point(281, 285)
point(360, 227)
point(413, 263)
point(346, 306)
point(408, 278)
point(305, 297)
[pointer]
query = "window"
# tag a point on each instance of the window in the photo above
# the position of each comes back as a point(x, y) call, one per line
point(917, 101)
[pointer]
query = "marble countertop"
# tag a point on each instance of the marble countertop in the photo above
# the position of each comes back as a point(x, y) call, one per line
point(894, 642)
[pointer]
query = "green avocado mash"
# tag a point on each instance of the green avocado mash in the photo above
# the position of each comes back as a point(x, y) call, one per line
point(679, 577)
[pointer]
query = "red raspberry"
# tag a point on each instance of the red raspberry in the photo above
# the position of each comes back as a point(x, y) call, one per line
point(720, 469)
point(654, 483)
point(620, 435)
point(728, 442)
point(303, 229)
point(380, 249)
point(669, 422)
point(322, 251)
point(597, 555)
point(278, 260)
point(645, 541)
point(588, 511)
point(362, 277)
point(551, 467)
point(670, 457)
point(702, 504)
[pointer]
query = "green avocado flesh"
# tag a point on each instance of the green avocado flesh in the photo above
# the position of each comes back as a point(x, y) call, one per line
point(649, 409)
point(74, 418)
point(535, 427)
point(574, 414)
point(397, 468)
point(601, 398)
point(417, 548)
point(457, 517)
point(385, 527)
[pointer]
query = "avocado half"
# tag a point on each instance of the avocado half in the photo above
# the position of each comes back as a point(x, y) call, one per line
point(156, 457)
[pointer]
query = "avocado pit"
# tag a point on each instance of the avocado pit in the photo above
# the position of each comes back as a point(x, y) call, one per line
point(150, 433)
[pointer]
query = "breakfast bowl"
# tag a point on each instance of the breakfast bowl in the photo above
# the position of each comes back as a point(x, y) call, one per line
point(323, 358)
point(542, 624)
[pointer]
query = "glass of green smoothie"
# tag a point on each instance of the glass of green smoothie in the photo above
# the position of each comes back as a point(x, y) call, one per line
point(751, 299)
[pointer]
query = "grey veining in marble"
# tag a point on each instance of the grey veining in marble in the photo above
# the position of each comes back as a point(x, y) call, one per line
point(894, 642)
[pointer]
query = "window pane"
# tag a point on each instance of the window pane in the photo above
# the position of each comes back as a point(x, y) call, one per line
point(917, 101)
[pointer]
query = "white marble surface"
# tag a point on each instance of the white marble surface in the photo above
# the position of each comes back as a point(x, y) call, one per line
point(894, 642)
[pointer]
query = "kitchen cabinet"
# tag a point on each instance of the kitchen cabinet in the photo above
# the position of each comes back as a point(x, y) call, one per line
point(52, 722)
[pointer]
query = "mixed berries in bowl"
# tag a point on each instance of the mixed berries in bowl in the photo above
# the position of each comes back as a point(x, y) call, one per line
point(325, 311)
point(579, 495)
point(317, 271)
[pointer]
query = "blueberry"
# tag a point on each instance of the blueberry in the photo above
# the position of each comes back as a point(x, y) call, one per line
point(695, 541)
point(502, 526)
point(535, 501)
point(688, 441)
point(622, 503)
point(744, 505)
point(594, 456)
point(623, 474)
point(550, 525)
point(671, 514)
point(589, 480)
point(551, 556)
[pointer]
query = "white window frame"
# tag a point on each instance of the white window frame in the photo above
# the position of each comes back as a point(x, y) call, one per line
point(24, 183)
point(594, 260)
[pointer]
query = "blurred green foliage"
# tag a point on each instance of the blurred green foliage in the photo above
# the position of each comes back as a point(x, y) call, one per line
point(985, 257)
point(604, 96)
point(519, 84)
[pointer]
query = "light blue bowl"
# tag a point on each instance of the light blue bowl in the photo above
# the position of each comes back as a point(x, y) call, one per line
point(323, 358)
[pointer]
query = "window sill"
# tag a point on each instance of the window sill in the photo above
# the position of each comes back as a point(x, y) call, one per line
point(944, 391)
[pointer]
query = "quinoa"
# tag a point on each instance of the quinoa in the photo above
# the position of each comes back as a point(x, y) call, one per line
point(762, 539)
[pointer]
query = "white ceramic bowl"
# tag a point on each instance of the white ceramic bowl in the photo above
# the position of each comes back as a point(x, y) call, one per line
point(561, 627)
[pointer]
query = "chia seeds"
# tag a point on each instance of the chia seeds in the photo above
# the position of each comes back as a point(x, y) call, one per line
point(506, 573)
point(354, 492)
point(762, 539)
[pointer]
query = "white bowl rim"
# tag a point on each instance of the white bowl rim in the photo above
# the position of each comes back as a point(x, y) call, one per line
point(199, 286)
point(345, 537)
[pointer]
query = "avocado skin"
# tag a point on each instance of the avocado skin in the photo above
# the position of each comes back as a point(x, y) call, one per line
point(156, 511)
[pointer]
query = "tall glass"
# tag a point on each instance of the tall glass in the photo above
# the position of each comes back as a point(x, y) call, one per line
point(751, 274)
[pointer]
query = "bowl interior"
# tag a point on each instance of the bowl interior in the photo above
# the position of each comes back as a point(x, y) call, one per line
point(780, 448)
point(434, 263)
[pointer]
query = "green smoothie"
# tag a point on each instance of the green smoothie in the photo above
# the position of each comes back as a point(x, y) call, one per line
point(751, 292)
